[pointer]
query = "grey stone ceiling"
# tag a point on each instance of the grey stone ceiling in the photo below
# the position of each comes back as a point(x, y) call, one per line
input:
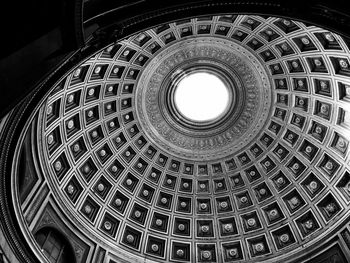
point(267, 181)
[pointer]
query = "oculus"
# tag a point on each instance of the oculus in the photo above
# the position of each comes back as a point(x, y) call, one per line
point(201, 96)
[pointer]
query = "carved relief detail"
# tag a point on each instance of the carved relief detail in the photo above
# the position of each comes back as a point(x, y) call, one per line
point(250, 84)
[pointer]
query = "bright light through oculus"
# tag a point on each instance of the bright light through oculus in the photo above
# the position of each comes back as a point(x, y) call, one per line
point(201, 97)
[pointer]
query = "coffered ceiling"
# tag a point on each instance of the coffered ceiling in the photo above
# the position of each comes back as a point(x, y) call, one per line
point(263, 182)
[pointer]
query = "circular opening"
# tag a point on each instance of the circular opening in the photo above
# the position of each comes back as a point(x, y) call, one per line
point(201, 97)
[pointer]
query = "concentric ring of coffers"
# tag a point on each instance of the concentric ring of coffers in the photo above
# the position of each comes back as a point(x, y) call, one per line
point(136, 189)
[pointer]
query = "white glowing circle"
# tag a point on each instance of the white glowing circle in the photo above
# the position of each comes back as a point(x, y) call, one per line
point(201, 97)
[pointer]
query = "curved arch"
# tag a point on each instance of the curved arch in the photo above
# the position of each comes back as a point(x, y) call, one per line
point(54, 245)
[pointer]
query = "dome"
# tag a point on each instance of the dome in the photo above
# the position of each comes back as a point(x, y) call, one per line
point(113, 159)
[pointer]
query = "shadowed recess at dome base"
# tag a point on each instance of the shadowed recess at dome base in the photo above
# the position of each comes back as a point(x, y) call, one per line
point(261, 175)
